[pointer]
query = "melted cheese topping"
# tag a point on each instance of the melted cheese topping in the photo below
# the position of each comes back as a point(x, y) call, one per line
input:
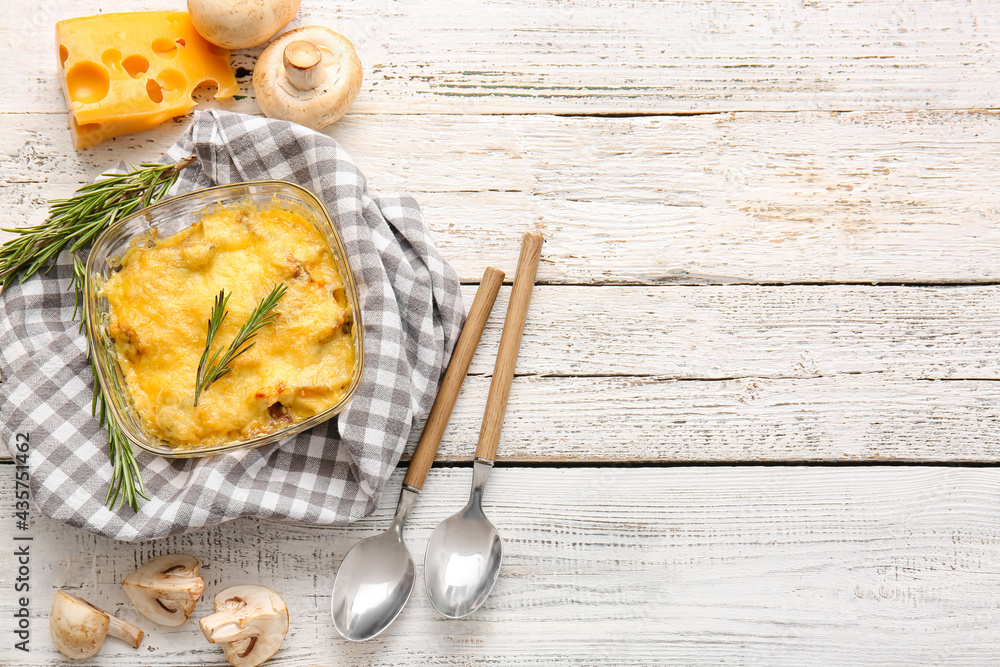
point(160, 303)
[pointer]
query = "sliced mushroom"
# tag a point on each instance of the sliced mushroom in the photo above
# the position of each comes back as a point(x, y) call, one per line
point(78, 628)
point(249, 622)
point(165, 589)
point(309, 76)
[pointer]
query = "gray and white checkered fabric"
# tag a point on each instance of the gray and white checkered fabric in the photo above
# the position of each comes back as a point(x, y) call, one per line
point(412, 312)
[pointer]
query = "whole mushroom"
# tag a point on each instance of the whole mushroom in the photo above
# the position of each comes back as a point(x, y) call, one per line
point(309, 76)
point(165, 589)
point(79, 628)
point(240, 24)
point(250, 622)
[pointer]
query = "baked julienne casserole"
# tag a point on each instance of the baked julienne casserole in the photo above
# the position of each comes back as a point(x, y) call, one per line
point(160, 300)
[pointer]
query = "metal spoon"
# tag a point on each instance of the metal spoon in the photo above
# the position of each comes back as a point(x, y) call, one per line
point(465, 551)
point(376, 577)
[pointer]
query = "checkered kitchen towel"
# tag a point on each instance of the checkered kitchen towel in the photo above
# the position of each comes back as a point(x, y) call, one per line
point(412, 313)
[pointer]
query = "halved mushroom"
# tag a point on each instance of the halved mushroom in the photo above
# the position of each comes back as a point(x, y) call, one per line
point(249, 621)
point(78, 628)
point(309, 76)
point(165, 589)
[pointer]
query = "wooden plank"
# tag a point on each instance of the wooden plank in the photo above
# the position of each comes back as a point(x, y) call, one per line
point(694, 566)
point(846, 418)
point(740, 331)
point(588, 56)
point(749, 331)
point(774, 198)
point(634, 419)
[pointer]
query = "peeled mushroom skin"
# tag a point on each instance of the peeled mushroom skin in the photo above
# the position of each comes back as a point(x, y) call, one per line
point(312, 98)
point(165, 589)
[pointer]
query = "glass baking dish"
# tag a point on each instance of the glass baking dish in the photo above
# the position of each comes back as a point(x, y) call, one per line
point(164, 219)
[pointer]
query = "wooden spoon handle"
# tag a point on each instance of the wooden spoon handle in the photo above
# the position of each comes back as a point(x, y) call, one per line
point(510, 344)
point(451, 385)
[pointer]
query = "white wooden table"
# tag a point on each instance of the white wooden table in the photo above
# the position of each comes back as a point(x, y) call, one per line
point(757, 412)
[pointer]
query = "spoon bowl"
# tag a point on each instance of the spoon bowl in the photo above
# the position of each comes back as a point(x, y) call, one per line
point(463, 556)
point(374, 581)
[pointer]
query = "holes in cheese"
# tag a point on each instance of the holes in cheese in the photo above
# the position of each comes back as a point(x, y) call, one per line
point(92, 130)
point(171, 80)
point(87, 82)
point(136, 65)
point(165, 48)
point(88, 128)
point(154, 91)
point(205, 90)
point(112, 59)
point(153, 61)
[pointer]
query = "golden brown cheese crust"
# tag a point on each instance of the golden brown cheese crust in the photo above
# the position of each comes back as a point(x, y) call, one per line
point(160, 303)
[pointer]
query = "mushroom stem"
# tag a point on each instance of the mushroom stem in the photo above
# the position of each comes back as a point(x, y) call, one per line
point(304, 65)
point(125, 631)
point(227, 633)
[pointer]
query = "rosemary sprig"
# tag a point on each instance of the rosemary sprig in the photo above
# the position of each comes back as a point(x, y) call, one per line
point(126, 479)
point(74, 223)
point(77, 221)
point(213, 367)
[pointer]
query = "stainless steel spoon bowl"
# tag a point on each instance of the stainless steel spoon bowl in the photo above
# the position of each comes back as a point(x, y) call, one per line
point(376, 578)
point(465, 551)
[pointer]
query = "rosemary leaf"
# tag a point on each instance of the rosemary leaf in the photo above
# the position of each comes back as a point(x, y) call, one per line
point(211, 368)
point(78, 281)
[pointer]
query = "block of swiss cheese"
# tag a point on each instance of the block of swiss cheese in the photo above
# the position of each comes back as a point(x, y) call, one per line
point(131, 71)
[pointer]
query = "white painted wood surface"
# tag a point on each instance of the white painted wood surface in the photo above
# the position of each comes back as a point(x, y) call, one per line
point(801, 197)
point(688, 566)
point(773, 235)
point(590, 56)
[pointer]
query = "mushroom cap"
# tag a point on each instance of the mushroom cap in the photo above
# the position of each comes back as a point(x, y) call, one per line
point(165, 589)
point(327, 102)
point(79, 628)
point(250, 622)
point(240, 24)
